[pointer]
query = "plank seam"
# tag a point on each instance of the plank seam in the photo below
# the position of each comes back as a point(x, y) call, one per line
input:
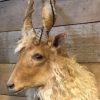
point(84, 23)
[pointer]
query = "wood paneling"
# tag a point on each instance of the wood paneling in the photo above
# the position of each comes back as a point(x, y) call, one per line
point(68, 12)
point(82, 42)
point(5, 97)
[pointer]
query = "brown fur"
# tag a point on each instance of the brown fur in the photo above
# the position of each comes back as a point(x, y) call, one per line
point(56, 77)
point(45, 67)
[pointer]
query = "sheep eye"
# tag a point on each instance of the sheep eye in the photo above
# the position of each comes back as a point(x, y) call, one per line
point(37, 56)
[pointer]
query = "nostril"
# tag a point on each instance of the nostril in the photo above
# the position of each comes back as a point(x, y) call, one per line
point(10, 86)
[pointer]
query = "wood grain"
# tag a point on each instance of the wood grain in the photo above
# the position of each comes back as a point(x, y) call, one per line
point(5, 97)
point(68, 12)
point(82, 42)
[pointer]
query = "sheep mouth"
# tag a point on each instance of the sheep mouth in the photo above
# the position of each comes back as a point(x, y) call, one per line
point(14, 91)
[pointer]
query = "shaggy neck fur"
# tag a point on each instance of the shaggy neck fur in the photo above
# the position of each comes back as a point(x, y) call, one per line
point(69, 81)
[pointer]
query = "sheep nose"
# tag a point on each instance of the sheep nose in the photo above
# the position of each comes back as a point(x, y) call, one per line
point(10, 86)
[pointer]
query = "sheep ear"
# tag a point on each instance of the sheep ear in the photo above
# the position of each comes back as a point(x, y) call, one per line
point(59, 44)
point(59, 40)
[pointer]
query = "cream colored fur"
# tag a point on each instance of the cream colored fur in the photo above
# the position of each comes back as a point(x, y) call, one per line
point(69, 81)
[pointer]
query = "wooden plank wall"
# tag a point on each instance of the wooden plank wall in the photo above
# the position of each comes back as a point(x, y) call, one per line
point(79, 19)
point(68, 11)
point(82, 41)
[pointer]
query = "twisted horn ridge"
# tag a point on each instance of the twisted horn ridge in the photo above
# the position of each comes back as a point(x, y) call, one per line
point(28, 32)
point(48, 20)
point(48, 15)
point(27, 23)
